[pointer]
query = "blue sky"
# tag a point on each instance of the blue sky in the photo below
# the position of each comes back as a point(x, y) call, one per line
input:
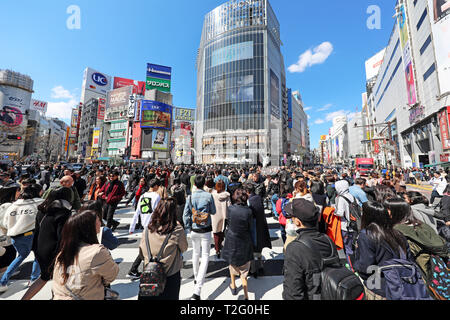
point(119, 38)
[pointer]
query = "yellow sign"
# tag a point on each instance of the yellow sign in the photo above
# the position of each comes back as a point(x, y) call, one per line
point(323, 138)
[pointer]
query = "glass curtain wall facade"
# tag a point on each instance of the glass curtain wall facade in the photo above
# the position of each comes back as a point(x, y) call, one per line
point(233, 84)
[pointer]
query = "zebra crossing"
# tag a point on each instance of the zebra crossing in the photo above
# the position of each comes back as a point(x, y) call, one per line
point(267, 287)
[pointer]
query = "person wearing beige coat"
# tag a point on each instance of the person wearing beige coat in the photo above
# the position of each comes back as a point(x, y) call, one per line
point(222, 200)
point(82, 276)
point(94, 268)
point(164, 224)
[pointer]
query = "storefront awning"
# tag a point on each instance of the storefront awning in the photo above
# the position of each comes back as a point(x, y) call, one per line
point(442, 164)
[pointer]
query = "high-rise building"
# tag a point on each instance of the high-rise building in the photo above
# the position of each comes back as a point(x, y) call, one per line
point(241, 86)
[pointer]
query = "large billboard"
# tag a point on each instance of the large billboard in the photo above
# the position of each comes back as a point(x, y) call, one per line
point(40, 106)
point(275, 95)
point(439, 12)
point(184, 114)
point(158, 77)
point(14, 102)
point(234, 52)
point(136, 140)
point(373, 65)
point(119, 98)
point(95, 82)
point(402, 21)
point(160, 140)
point(234, 89)
point(156, 115)
point(138, 86)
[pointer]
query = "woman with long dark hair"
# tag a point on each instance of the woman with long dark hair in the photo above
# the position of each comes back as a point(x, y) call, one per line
point(238, 247)
point(105, 235)
point(378, 242)
point(422, 239)
point(164, 225)
point(83, 267)
point(420, 208)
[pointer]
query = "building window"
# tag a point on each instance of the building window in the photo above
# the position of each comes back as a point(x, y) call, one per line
point(429, 72)
point(425, 45)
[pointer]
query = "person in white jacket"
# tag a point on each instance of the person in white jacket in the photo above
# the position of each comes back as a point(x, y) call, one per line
point(439, 184)
point(19, 221)
point(147, 204)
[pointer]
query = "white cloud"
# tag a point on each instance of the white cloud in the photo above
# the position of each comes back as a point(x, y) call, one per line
point(318, 55)
point(60, 93)
point(307, 108)
point(319, 121)
point(61, 109)
point(325, 108)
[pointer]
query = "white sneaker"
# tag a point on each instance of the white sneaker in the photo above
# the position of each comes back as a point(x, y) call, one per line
point(3, 288)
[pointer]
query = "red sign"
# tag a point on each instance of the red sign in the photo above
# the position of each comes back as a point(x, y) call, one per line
point(138, 86)
point(443, 124)
point(136, 141)
point(376, 145)
point(445, 157)
point(101, 109)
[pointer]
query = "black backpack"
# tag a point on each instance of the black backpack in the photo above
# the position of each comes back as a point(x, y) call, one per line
point(179, 195)
point(153, 279)
point(354, 223)
point(336, 281)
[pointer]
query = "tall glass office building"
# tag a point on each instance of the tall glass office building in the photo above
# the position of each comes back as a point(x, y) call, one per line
point(241, 105)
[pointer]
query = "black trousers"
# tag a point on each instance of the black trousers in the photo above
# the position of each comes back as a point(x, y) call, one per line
point(108, 214)
point(171, 291)
point(137, 262)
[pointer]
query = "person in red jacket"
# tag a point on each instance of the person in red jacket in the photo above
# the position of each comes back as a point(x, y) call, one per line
point(112, 192)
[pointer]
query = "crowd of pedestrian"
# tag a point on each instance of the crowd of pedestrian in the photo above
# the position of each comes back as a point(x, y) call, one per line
point(66, 218)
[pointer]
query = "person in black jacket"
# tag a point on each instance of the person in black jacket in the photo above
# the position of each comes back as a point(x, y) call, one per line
point(300, 263)
point(50, 219)
point(238, 248)
point(260, 231)
point(234, 184)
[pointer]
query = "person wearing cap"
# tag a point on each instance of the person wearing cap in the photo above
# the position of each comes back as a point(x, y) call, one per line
point(5, 179)
point(301, 263)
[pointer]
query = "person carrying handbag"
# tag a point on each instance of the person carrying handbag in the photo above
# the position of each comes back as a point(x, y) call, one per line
point(197, 218)
point(165, 240)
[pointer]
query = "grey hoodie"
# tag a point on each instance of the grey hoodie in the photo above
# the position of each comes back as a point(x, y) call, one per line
point(342, 206)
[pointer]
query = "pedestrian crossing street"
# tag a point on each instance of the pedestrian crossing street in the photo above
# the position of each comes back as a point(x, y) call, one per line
point(267, 287)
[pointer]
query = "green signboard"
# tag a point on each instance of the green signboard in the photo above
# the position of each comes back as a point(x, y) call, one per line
point(158, 84)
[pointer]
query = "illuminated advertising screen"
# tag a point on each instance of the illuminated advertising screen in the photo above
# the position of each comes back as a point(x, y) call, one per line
point(234, 52)
point(156, 115)
point(160, 140)
point(275, 94)
point(234, 89)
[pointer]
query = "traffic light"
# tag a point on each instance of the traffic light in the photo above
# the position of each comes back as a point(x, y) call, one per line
point(14, 137)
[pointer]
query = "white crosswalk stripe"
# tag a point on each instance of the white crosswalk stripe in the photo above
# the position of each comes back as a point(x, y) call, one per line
point(268, 287)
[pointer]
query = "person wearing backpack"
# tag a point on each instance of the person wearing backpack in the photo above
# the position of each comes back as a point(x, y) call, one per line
point(310, 255)
point(344, 210)
point(147, 205)
point(178, 191)
point(382, 253)
point(197, 220)
point(162, 244)
point(426, 246)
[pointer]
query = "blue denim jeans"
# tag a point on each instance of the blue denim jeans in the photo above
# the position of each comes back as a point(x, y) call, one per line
point(23, 248)
point(274, 205)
